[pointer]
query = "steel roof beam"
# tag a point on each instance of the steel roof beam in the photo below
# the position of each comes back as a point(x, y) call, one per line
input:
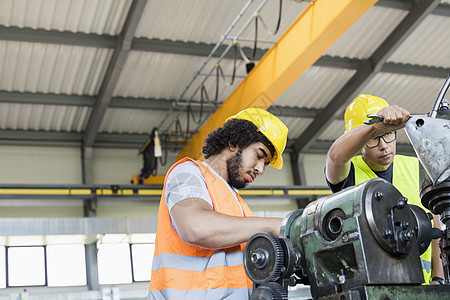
point(57, 37)
point(396, 68)
point(165, 104)
point(136, 103)
point(365, 72)
point(154, 45)
point(125, 141)
point(442, 9)
point(46, 99)
point(112, 74)
point(110, 42)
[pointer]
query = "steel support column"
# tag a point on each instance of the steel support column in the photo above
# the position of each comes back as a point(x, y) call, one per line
point(299, 176)
point(92, 267)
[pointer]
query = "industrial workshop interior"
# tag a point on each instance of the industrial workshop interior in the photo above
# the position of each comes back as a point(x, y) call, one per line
point(99, 98)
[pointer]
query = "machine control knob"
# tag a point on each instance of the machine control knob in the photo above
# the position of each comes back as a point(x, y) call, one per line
point(406, 235)
point(404, 225)
point(379, 195)
point(401, 203)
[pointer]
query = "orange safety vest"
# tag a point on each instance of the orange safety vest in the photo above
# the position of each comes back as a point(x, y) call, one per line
point(405, 178)
point(183, 271)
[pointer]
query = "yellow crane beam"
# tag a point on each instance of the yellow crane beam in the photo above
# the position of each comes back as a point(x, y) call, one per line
point(315, 30)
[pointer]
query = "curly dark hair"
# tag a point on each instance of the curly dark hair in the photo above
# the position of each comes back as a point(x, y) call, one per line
point(235, 132)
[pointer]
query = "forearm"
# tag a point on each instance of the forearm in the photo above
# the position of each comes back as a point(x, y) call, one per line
point(343, 149)
point(350, 143)
point(437, 269)
point(198, 224)
point(221, 231)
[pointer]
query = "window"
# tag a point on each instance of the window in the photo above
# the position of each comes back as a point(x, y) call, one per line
point(26, 266)
point(114, 263)
point(66, 265)
point(142, 261)
point(2, 267)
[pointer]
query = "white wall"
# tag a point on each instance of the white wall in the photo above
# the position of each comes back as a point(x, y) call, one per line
point(62, 165)
point(313, 165)
point(40, 165)
point(115, 166)
point(47, 165)
point(275, 177)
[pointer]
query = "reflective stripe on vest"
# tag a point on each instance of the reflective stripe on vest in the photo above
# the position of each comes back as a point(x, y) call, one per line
point(405, 178)
point(238, 294)
point(196, 263)
point(183, 270)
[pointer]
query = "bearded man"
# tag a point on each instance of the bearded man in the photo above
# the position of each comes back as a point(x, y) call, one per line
point(203, 223)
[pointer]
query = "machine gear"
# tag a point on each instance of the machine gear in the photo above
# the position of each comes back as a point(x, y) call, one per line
point(269, 291)
point(264, 258)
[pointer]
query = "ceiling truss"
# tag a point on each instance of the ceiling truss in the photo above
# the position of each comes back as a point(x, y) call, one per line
point(125, 42)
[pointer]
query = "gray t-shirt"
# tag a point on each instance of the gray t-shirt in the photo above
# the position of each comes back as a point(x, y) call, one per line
point(186, 181)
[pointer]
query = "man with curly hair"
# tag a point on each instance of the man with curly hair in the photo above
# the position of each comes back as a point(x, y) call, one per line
point(203, 223)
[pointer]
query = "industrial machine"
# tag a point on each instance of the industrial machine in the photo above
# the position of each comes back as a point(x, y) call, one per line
point(364, 242)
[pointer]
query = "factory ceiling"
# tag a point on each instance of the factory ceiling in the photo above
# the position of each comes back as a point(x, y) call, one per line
point(106, 73)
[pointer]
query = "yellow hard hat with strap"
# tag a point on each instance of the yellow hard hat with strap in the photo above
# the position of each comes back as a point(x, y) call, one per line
point(360, 107)
point(271, 127)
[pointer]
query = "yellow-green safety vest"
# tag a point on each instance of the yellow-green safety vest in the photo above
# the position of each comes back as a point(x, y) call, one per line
point(405, 178)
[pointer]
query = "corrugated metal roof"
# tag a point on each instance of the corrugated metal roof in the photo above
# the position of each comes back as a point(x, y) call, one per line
point(335, 129)
point(415, 93)
point(174, 20)
point(296, 126)
point(363, 37)
point(165, 76)
point(99, 16)
point(43, 117)
point(64, 48)
point(48, 68)
point(315, 87)
point(428, 45)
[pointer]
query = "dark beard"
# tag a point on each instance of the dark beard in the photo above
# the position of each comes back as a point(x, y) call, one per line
point(234, 166)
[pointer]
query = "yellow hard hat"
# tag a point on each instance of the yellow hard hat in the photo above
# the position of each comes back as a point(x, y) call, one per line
point(272, 128)
point(360, 107)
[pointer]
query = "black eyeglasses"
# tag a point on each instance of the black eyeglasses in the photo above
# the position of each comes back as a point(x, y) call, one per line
point(388, 137)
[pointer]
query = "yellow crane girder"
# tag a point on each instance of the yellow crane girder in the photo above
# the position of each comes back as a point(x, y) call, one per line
point(314, 31)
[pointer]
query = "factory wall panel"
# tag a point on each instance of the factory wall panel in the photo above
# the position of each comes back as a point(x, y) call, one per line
point(41, 208)
point(314, 165)
point(273, 177)
point(62, 165)
point(115, 166)
point(40, 165)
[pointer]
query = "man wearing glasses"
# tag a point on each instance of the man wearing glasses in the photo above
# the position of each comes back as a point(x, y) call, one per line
point(376, 143)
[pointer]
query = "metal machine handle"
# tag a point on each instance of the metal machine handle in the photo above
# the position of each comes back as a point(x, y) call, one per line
point(440, 97)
